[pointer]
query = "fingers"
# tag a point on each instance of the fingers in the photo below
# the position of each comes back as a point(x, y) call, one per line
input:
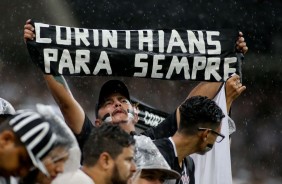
point(240, 39)
point(245, 49)
point(238, 86)
point(235, 85)
point(28, 34)
point(241, 45)
point(241, 89)
point(28, 21)
point(234, 77)
point(29, 27)
point(28, 31)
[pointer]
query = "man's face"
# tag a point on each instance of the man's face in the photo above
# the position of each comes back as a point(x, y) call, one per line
point(54, 163)
point(118, 110)
point(124, 166)
point(151, 177)
point(209, 141)
point(15, 160)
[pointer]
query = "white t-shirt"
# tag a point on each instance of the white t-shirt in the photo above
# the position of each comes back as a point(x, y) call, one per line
point(215, 166)
point(75, 177)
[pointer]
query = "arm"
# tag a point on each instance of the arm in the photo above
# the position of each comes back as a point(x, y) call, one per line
point(210, 89)
point(233, 89)
point(72, 111)
point(233, 85)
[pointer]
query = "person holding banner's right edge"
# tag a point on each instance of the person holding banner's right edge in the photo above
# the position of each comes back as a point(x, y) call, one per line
point(114, 102)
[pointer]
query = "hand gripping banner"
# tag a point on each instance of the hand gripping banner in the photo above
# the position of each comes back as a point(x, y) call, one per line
point(174, 54)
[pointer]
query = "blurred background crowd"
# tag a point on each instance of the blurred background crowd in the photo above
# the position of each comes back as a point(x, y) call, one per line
point(256, 150)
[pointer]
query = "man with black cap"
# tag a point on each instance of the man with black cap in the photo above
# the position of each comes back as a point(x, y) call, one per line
point(113, 105)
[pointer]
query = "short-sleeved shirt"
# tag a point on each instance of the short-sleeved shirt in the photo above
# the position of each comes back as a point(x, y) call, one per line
point(165, 129)
point(76, 177)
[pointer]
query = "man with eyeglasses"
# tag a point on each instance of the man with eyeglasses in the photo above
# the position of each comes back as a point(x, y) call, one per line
point(199, 129)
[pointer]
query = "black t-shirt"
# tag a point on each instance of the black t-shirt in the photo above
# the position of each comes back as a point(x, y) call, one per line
point(85, 132)
point(188, 168)
point(160, 134)
point(165, 129)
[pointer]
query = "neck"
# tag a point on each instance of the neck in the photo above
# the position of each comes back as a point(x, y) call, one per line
point(185, 146)
point(96, 174)
point(127, 126)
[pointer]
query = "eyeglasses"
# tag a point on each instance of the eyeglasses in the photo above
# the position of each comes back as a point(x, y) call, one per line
point(219, 137)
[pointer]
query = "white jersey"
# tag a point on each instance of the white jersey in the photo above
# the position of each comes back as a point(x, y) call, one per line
point(75, 177)
point(215, 166)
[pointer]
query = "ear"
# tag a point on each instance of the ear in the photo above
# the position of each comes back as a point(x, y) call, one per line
point(203, 135)
point(218, 129)
point(6, 138)
point(98, 122)
point(136, 112)
point(106, 161)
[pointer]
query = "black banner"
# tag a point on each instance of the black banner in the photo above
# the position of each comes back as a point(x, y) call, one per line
point(148, 116)
point(158, 54)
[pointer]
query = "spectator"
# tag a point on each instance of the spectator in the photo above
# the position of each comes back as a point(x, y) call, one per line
point(151, 165)
point(198, 130)
point(26, 139)
point(64, 157)
point(108, 157)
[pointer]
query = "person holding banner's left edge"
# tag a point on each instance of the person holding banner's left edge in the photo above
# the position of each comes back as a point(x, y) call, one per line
point(114, 106)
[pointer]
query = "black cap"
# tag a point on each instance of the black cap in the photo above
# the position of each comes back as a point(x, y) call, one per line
point(109, 88)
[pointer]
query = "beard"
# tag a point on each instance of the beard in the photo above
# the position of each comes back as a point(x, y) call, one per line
point(116, 178)
point(207, 149)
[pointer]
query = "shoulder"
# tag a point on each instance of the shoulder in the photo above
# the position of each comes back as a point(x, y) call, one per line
point(166, 148)
point(87, 127)
point(165, 129)
point(163, 143)
point(75, 177)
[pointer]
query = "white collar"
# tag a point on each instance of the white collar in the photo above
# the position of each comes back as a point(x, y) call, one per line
point(174, 148)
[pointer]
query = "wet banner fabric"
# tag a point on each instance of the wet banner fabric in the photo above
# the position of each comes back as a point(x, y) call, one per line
point(175, 54)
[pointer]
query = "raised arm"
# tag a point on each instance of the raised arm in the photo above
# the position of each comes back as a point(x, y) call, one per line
point(72, 111)
point(233, 89)
point(210, 89)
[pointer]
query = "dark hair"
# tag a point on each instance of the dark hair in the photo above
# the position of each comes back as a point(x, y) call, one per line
point(30, 178)
point(106, 138)
point(199, 110)
point(4, 125)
